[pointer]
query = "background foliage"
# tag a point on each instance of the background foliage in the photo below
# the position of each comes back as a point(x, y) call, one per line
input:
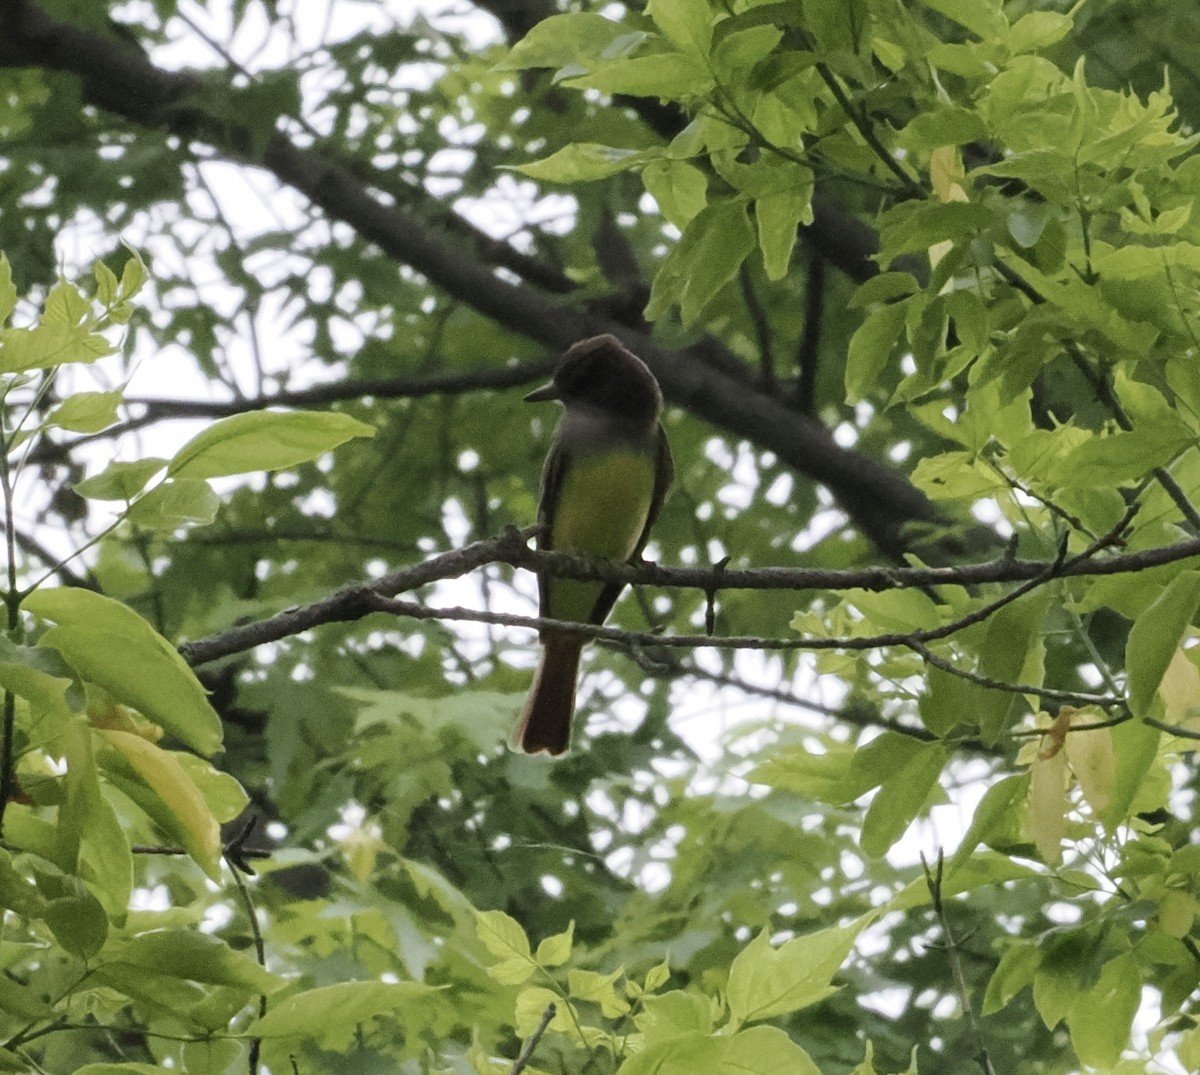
point(919, 282)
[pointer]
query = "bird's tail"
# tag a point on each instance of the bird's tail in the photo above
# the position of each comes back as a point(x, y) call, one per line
point(546, 721)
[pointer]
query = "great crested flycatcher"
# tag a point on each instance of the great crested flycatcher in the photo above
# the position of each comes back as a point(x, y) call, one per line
point(605, 479)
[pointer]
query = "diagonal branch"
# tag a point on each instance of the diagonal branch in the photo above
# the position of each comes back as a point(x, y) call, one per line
point(123, 81)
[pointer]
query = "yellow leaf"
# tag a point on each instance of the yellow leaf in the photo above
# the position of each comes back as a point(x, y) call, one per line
point(1048, 805)
point(192, 821)
point(1093, 762)
point(945, 171)
point(1180, 692)
point(361, 847)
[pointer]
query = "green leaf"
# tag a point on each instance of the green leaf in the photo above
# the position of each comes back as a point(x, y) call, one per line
point(120, 481)
point(669, 1015)
point(760, 1050)
point(949, 125)
point(1101, 1018)
point(913, 227)
point(947, 701)
point(561, 40)
point(687, 24)
point(531, 1007)
point(599, 989)
point(886, 287)
point(556, 950)
point(878, 760)
point(984, 18)
point(64, 334)
point(78, 923)
point(704, 260)
point(1038, 30)
point(198, 957)
point(870, 347)
point(87, 412)
point(133, 275)
point(1013, 634)
point(582, 162)
point(1155, 637)
point(685, 1054)
point(982, 868)
point(766, 1050)
point(226, 798)
point(81, 793)
point(671, 75)
point(656, 976)
point(106, 283)
point(213, 1056)
point(264, 440)
point(831, 777)
point(901, 797)
point(175, 503)
point(836, 28)
point(867, 1067)
point(777, 217)
point(956, 476)
point(995, 811)
point(504, 937)
point(1068, 961)
point(765, 981)
point(40, 676)
point(109, 644)
point(1013, 973)
point(8, 291)
point(345, 1005)
point(679, 188)
point(119, 1069)
point(1120, 457)
point(107, 860)
point(1135, 748)
point(739, 51)
point(26, 1002)
point(16, 893)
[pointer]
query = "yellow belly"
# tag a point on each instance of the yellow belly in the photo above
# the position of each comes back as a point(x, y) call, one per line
point(601, 510)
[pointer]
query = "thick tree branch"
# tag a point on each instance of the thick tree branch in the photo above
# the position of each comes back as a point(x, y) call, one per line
point(122, 80)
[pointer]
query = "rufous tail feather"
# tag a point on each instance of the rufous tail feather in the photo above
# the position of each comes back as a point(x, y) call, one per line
point(546, 722)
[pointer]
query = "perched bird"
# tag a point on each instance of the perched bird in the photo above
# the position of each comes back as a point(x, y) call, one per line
point(604, 482)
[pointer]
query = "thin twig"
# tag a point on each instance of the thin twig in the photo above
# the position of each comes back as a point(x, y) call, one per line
point(1172, 729)
point(934, 882)
point(235, 856)
point(762, 329)
point(12, 601)
point(644, 639)
point(1047, 694)
point(522, 1061)
point(1108, 396)
point(868, 132)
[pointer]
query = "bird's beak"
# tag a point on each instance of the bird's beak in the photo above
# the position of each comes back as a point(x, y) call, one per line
point(540, 395)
